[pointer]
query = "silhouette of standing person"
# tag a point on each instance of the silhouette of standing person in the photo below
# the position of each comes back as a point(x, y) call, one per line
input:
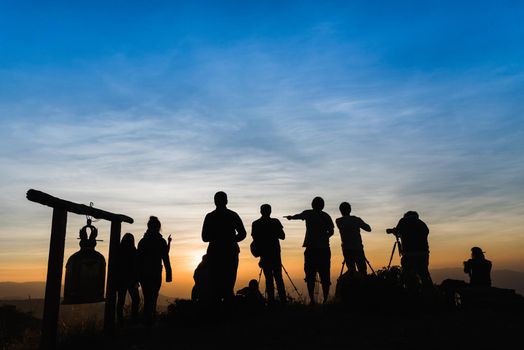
point(223, 229)
point(413, 234)
point(266, 233)
point(127, 277)
point(151, 252)
point(317, 255)
point(478, 268)
point(352, 247)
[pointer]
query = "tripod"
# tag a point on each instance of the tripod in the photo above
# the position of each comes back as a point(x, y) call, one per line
point(288, 276)
point(367, 262)
point(397, 243)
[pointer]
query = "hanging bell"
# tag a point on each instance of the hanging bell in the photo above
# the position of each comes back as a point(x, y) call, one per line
point(85, 271)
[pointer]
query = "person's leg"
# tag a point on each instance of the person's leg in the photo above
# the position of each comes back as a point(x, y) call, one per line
point(325, 271)
point(231, 277)
point(310, 272)
point(425, 277)
point(154, 294)
point(361, 262)
point(277, 272)
point(268, 275)
point(121, 294)
point(350, 261)
point(409, 273)
point(135, 301)
point(148, 301)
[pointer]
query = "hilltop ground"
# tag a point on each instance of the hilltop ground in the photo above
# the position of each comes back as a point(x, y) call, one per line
point(375, 312)
point(303, 327)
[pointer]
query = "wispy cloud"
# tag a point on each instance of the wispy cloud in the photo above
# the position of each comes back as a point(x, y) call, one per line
point(159, 135)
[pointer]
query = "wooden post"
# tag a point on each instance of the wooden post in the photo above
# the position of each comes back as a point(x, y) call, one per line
point(114, 244)
point(54, 279)
point(56, 261)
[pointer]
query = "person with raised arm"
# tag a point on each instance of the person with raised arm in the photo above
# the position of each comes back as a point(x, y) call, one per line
point(317, 255)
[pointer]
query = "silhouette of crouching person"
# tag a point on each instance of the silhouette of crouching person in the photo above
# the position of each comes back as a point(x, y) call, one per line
point(478, 268)
point(127, 277)
point(152, 251)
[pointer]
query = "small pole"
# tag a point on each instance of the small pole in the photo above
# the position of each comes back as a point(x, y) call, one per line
point(114, 243)
point(367, 262)
point(392, 253)
point(54, 280)
point(342, 269)
point(290, 280)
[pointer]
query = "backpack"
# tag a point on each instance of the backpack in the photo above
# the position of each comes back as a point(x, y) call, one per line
point(253, 247)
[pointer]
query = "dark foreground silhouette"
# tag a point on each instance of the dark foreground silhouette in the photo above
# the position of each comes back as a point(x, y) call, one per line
point(328, 326)
point(371, 312)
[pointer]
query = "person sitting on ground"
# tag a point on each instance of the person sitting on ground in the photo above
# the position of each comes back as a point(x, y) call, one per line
point(352, 247)
point(478, 268)
point(251, 295)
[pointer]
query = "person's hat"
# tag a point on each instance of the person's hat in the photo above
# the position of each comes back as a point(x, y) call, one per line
point(477, 250)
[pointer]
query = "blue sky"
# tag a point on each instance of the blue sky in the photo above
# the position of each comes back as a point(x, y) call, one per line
point(149, 108)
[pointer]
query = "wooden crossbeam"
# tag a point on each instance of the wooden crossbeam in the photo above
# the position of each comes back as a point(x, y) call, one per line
point(81, 209)
point(56, 261)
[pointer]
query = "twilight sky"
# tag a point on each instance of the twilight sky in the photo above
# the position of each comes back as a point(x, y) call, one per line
point(149, 108)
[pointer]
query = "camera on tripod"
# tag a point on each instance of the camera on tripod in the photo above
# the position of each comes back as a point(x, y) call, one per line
point(392, 231)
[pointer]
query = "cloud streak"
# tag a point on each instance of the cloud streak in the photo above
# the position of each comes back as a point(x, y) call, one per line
point(159, 135)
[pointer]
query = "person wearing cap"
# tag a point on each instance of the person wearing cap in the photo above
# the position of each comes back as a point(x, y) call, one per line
point(478, 268)
point(317, 255)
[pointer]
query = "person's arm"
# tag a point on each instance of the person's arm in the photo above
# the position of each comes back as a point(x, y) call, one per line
point(301, 216)
point(169, 239)
point(331, 227)
point(467, 267)
point(167, 263)
point(365, 226)
point(206, 230)
point(241, 231)
point(280, 232)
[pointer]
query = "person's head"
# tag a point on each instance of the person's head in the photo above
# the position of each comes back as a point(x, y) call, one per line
point(477, 253)
point(153, 224)
point(128, 241)
point(253, 285)
point(220, 199)
point(411, 214)
point(345, 208)
point(317, 203)
point(265, 210)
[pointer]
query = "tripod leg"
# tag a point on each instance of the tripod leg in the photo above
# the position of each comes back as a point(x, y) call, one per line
point(392, 253)
point(259, 276)
point(295, 287)
point(367, 261)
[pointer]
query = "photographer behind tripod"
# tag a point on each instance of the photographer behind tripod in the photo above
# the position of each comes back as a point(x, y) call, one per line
point(414, 249)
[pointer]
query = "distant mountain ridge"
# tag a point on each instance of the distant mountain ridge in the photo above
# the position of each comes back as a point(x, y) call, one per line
point(501, 278)
point(36, 290)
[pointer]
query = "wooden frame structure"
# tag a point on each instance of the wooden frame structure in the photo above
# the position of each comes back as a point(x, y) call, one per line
point(56, 261)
